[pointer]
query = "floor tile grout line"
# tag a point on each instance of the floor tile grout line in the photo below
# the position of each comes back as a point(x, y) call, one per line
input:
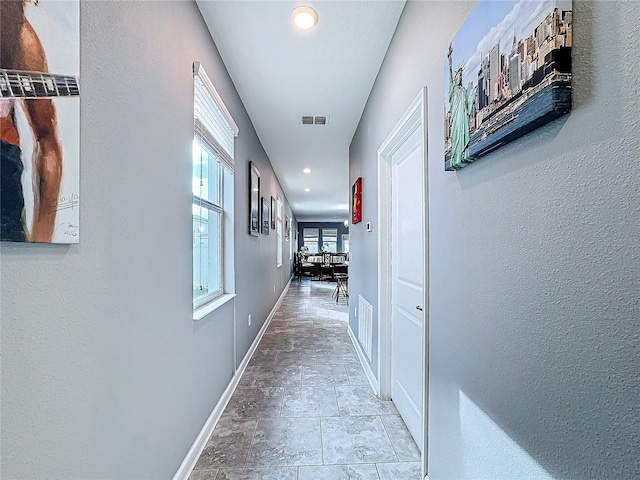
point(377, 471)
point(335, 389)
point(284, 394)
point(253, 439)
point(389, 437)
point(321, 441)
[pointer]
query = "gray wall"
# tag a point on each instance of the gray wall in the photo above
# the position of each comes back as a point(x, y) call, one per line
point(534, 261)
point(104, 373)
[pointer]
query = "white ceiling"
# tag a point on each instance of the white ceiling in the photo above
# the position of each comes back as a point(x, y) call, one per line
point(282, 73)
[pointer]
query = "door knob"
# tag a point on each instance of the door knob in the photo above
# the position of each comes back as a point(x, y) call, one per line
point(419, 308)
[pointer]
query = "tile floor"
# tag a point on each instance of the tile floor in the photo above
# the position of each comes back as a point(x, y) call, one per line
point(304, 409)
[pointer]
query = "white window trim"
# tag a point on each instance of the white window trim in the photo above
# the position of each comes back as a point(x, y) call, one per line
point(210, 302)
point(211, 306)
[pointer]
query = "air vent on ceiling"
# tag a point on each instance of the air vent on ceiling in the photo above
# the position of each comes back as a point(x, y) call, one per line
point(314, 119)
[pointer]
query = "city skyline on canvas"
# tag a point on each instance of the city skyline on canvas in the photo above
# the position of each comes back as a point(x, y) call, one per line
point(494, 22)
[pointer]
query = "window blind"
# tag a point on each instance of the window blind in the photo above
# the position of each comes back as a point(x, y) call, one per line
point(213, 124)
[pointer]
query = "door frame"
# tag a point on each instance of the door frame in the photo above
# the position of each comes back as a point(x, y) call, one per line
point(414, 118)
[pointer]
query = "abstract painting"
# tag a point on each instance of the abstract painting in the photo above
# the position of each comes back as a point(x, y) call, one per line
point(40, 121)
point(507, 72)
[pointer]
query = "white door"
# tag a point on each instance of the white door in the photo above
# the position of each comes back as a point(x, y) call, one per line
point(407, 282)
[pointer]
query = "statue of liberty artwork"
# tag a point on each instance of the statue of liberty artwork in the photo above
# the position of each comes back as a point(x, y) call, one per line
point(513, 76)
point(461, 103)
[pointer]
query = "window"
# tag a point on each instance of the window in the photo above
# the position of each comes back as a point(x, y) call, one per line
point(330, 240)
point(212, 191)
point(345, 243)
point(310, 239)
point(207, 223)
point(279, 233)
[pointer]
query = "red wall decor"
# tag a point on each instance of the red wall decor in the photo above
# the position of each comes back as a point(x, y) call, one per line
point(356, 201)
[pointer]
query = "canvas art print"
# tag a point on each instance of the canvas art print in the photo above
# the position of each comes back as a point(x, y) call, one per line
point(356, 201)
point(39, 121)
point(508, 72)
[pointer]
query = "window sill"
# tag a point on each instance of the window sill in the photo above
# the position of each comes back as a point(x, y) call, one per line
point(278, 265)
point(201, 312)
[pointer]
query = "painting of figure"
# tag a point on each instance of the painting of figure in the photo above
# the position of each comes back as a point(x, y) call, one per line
point(39, 121)
point(508, 72)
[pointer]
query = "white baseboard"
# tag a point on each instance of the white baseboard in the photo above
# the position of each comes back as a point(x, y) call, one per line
point(189, 462)
point(373, 381)
point(254, 345)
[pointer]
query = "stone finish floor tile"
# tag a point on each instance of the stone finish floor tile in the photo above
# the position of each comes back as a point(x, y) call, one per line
point(203, 475)
point(296, 358)
point(348, 440)
point(359, 400)
point(285, 442)
point(397, 471)
point(274, 473)
point(265, 356)
point(336, 358)
point(324, 375)
point(278, 376)
point(228, 445)
point(249, 376)
point(252, 402)
point(313, 401)
point(401, 439)
point(339, 472)
point(281, 422)
point(356, 375)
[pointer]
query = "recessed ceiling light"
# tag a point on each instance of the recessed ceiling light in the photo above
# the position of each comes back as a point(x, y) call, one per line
point(304, 17)
point(306, 170)
point(307, 189)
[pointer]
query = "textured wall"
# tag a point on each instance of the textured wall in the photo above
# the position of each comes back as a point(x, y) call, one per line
point(534, 259)
point(104, 373)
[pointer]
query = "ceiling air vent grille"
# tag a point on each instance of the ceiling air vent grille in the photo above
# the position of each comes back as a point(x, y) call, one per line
point(314, 119)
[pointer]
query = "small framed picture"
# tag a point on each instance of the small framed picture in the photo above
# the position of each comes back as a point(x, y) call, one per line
point(254, 200)
point(273, 213)
point(265, 216)
point(356, 201)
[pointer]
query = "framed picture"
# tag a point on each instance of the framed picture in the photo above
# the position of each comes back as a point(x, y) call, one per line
point(40, 113)
point(356, 201)
point(273, 213)
point(254, 200)
point(265, 216)
point(287, 228)
point(507, 72)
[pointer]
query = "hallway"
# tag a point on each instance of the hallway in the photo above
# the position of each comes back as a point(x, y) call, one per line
point(304, 408)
